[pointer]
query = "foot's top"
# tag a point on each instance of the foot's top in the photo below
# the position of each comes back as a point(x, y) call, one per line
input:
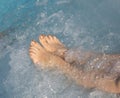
point(43, 58)
point(52, 44)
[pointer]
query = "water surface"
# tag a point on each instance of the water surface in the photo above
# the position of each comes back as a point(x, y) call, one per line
point(90, 24)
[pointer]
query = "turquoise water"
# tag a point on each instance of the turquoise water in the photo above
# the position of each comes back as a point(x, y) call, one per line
point(91, 24)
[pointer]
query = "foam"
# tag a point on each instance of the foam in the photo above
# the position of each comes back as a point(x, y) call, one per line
point(62, 2)
point(24, 80)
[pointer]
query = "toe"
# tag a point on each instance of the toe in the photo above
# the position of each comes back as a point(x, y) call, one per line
point(57, 41)
point(42, 36)
point(51, 39)
point(50, 36)
point(36, 47)
point(32, 43)
point(43, 41)
point(35, 44)
point(47, 39)
point(33, 50)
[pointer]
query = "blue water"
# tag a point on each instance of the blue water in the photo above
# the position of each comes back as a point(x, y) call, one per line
point(90, 24)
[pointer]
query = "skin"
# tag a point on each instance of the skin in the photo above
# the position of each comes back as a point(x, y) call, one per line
point(51, 54)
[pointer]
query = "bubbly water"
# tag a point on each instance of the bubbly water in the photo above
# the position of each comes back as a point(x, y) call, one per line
point(90, 24)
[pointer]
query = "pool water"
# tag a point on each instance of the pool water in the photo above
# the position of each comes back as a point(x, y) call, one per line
point(90, 24)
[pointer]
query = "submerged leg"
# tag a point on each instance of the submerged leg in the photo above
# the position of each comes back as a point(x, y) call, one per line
point(44, 59)
point(89, 79)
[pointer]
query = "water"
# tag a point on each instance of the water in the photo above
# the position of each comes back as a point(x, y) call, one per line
point(90, 24)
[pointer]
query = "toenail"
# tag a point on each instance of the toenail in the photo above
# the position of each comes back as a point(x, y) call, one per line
point(41, 36)
point(54, 37)
point(33, 42)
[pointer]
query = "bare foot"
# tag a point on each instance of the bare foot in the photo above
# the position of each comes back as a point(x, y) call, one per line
point(39, 55)
point(53, 45)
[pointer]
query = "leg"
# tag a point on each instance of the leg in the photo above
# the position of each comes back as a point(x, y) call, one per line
point(89, 79)
point(44, 59)
point(39, 55)
point(53, 45)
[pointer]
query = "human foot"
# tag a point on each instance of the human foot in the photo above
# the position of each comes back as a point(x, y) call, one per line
point(53, 45)
point(39, 55)
point(43, 58)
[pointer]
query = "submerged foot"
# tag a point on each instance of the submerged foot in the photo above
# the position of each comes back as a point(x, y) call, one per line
point(43, 58)
point(53, 45)
point(39, 55)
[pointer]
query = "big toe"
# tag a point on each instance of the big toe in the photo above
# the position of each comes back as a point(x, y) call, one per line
point(41, 36)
